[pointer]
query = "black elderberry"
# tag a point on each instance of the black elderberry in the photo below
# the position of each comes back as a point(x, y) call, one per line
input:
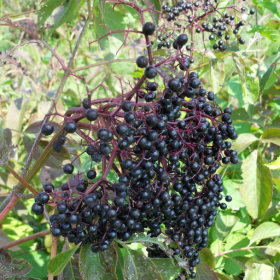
point(85, 103)
point(37, 208)
point(182, 39)
point(48, 187)
point(70, 126)
point(127, 105)
point(57, 147)
point(148, 28)
point(91, 174)
point(150, 72)
point(142, 61)
point(68, 168)
point(91, 114)
point(47, 129)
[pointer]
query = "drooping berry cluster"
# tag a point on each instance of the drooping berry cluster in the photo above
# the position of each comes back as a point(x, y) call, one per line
point(165, 143)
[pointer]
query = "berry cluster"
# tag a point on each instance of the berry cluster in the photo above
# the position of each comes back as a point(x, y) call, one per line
point(165, 143)
point(194, 13)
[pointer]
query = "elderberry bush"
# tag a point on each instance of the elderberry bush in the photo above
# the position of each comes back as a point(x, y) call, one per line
point(165, 139)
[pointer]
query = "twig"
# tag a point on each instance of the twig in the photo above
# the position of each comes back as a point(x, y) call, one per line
point(24, 239)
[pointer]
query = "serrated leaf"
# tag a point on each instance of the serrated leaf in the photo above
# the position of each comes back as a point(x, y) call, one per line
point(137, 266)
point(58, 263)
point(207, 257)
point(260, 272)
point(13, 269)
point(265, 230)
point(47, 9)
point(66, 12)
point(204, 272)
point(256, 191)
point(271, 135)
point(274, 164)
point(270, 5)
point(268, 32)
point(251, 89)
point(265, 78)
point(36, 127)
point(98, 266)
point(273, 247)
point(165, 267)
point(224, 223)
point(217, 74)
point(114, 20)
point(240, 67)
point(15, 116)
point(157, 7)
point(71, 270)
point(222, 276)
point(243, 141)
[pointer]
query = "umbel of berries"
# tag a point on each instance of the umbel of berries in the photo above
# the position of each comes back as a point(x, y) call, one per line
point(164, 140)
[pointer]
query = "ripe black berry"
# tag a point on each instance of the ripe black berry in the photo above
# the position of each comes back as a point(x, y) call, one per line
point(142, 61)
point(91, 114)
point(127, 105)
point(148, 28)
point(91, 174)
point(150, 72)
point(70, 126)
point(37, 208)
point(68, 168)
point(48, 187)
point(47, 129)
point(57, 146)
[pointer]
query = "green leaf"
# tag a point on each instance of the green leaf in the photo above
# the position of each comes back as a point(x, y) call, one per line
point(265, 78)
point(243, 141)
point(66, 12)
point(222, 276)
point(240, 67)
point(57, 264)
point(15, 116)
point(251, 89)
point(217, 74)
point(232, 189)
point(265, 230)
point(114, 21)
point(146, 240)
point(98, 266)
point(13, 269)
point(270, 33)
point(260, 272)
point(274, 164)
point(71, 270)
point(270, 5)
point(273, 247)
point(47, 9)
point(239, 114)
point(256, 191)
point(204, 272)
point(207, 257)
point(138, 266)
point(157, 7)
point(271, 135)
point(224, 223)
point(165, 267)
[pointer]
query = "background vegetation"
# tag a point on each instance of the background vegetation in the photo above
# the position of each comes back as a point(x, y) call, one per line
point(247, 78)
